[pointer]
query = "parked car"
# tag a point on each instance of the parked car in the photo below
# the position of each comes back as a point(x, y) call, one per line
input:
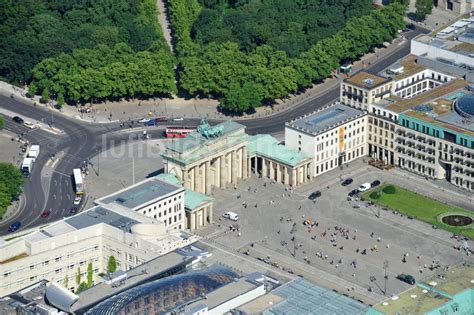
point(375, 183)
point(29, 124)
point(365, 187)
point(45, 214)
point(77, 200)
point(73, 210)
point(406, 278)
point(353, 193)
point(18, 120)
point(314, 195)
point(347, 181)
point(14, 227)
point(144, 120)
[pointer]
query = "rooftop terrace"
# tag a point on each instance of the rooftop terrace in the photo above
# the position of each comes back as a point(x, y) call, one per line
point(367, 80)
point(431, 294)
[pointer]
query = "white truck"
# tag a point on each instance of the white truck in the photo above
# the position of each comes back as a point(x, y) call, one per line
point(231, 215)
point(27, 166)
point(33, 152)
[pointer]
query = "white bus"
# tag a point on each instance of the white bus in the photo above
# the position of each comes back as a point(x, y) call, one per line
point(78, 181)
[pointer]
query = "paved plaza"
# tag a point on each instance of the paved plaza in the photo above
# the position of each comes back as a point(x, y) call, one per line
point(270, 215)
point(271, 228)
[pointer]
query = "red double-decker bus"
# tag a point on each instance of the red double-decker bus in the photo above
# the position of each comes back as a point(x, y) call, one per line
point(178, 132)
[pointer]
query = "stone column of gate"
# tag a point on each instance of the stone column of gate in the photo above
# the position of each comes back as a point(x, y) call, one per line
point(245, 162)
point(208, 177)
point(233, 167)
point(222, 171)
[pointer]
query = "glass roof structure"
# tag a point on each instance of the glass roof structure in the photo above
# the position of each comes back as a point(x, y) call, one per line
point(465, 106)
point(166, 294)
point(304, 297)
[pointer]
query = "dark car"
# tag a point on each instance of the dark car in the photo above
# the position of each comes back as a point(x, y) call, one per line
point(375, 183)
point(406, 278)
point(73, 210)
point(45, 214)
point(314, 195)
point(14, 226)
point(18, 120)
point(353, 193)
point(347, 181)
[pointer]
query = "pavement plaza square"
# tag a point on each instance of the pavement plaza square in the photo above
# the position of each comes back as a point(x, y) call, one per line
point(350, 243)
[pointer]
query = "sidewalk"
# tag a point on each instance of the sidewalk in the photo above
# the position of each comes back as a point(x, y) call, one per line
point(193, 108)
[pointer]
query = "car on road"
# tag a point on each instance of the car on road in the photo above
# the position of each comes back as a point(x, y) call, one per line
point(18, 119)
point(77, 200)
point(375, 183)
point(406, 278)
point(347, 182)
point(144, 120)
point(73, 210)
point(365, 187)
point(14, 226)
point(45, 214)
point(29, 124)
point(314, 195)
point(178, 119)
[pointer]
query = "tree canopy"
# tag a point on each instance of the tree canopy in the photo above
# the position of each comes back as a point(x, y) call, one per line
point(423, 8)
point(11, 180)
point(287, 25)
point(243, 78)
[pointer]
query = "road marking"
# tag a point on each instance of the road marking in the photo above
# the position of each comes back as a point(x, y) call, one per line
point(54, 163)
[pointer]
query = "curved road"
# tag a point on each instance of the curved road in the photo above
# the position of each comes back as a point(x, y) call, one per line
point(80, 141)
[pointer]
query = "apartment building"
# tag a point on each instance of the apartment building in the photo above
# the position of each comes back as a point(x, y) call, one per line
point(331, 136)
point(62, 251)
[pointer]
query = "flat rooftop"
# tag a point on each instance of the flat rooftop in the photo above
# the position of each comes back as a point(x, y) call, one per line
point(225, 293)
point(142, 193)
point(367, 80)
point(430, 294)
point(98, 215)
point(410, 67)
point(325, 119)
point(304, 297)
point(268, 146)
point(433, 94)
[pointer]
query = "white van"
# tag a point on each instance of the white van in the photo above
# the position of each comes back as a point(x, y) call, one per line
point(231, 215)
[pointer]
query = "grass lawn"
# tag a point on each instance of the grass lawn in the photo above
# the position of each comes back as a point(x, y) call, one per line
point(420, 207)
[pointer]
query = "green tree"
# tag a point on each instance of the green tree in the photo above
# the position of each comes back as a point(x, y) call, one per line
point(423, 8)
point(90, 274)
point(111, 264)
point(82, 286)
point(78, 276)
point(12, 178)
point(2, 122)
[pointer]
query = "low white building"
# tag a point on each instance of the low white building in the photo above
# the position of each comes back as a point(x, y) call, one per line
point(332, 136)
point(153, 197)
point(62, 251)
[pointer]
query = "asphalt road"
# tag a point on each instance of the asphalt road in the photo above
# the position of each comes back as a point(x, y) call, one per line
point(80, 141)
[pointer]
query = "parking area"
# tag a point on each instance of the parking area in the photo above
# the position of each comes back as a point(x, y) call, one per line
point(351, 244)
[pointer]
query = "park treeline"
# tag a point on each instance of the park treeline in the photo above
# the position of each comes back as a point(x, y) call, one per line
point(85, 50)
point(244, 80)
point(11, 180)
